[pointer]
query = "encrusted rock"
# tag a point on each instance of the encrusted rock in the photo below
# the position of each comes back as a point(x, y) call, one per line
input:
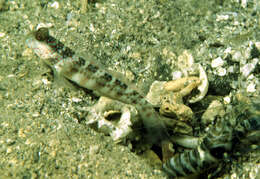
point(215, 108)
point(155, 92)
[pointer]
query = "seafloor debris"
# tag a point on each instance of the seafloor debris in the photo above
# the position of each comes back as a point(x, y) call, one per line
point(215, 108)
point(222, 137)
point(189, 68)
point(172, 100)
point(169, 96)
point(113, 118)
point(221, 141)
point(120, 120)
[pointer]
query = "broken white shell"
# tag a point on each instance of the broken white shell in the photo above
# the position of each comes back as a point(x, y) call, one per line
point(118, 129)
point(189, 68)
point(186, 141)
point(204, 85)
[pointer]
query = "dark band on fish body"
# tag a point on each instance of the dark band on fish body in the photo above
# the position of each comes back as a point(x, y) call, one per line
point(117, 82)
point(81, 61)
point(92, 68)
point(121, 84)
point(107, 77)
point(119, 93)
point(43, 35)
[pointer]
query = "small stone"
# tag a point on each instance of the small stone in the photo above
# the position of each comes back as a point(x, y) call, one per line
point(215, 108)
point(231, 69)
point(9, 150)
point(35, 114)
point(2, 34)
point(227, 50)
point(21, 133)
point(222, 17)
point(247, 52)
point(257, 45)
point(244, 3)
point(176, 75)
point(10, 141)
point(237, 56)
point(11, 76)
point(251, 77)
point(46, 25)
point(221, 71)
point(135, 55)
point(234, 84)
point(251, 88)
point(227, 100)
point(91, 28)
point(55, 5)
point(45, 81)
point(76, 100)
point(249, 67)
point(218, 62)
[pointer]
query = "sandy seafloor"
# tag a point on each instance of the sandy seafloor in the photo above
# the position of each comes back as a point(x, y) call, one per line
point(40, 136)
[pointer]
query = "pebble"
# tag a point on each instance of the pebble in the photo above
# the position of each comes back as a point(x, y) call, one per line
point(251, 77)
point(45, 81)
point(76, 100)
point(55, 5)
point(218, 62)
point(251, 88)
point(228, 50)
point(227, 99)
point(2, 34)
point(46, 25)
point(244, 3)
point(234, 176)
point(222, 17)
point(237, 56)
point(249, 67)
point(231, 69)
point(221, 71)
point(257, 45)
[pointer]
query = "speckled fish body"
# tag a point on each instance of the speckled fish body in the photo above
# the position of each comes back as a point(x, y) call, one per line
point(88, 74)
